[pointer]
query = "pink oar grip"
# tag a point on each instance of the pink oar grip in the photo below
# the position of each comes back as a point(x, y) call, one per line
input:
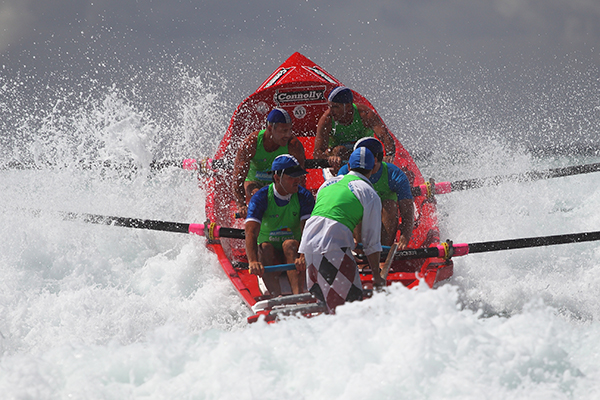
point(190, 164)
point(197, 229)
point(439, 188)
point(441, 251)
point(460, 249)
point(443, 187)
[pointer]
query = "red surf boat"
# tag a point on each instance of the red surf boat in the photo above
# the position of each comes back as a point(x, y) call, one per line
point(301, 88)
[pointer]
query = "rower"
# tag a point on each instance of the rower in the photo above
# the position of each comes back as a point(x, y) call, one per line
point(342, 124)
point(276, 217)
point(256, 154)
point(393, 188)
point(327, 241)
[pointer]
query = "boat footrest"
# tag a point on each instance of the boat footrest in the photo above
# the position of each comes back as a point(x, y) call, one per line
point(283, 300)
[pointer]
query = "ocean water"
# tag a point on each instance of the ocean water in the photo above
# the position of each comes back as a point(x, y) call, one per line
point(103, 312)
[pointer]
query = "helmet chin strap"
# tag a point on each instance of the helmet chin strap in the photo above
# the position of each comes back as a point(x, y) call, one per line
point(284, 188)
point(287, 192)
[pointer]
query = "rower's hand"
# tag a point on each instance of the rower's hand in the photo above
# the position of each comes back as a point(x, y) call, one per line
point(256, 268)
point(379, 282)
point(242, 211)
point(300, 263)
point(403, 242)
point(335, 163)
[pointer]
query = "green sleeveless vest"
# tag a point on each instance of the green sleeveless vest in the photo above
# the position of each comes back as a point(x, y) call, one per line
point(348, 134)
point(382, 186)
point(261, 163)
point(280, 223)
point(348, 209)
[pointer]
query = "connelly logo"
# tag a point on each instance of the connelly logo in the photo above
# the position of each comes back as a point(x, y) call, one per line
point(299, 96)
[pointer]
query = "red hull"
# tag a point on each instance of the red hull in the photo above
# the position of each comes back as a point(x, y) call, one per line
point(301, 87)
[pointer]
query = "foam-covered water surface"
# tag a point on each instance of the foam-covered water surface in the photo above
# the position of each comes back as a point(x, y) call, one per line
point(96, 311)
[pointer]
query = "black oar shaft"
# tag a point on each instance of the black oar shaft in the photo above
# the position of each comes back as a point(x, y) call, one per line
point(154, 225)
point(533, 242)
point(449, 250)
point(232, 233)
point(526, 176)
point(130, 222)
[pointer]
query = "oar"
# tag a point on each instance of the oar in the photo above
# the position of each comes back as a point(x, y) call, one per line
point(202, 165)
point(210, 230)
point(207, 165)
point(198, 229)
point(388, 261)
point(447, 187)
point(448, 249)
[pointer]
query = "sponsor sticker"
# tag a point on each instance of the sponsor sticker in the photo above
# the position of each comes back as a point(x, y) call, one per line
point(299, 96)
point(281, 235)
point(299, 112)
point(264, 176)
point(262, 107)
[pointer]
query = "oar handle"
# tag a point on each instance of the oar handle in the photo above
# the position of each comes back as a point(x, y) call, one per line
point(279, 267)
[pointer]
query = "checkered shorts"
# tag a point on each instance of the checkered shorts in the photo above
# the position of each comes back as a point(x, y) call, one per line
point(333, 277)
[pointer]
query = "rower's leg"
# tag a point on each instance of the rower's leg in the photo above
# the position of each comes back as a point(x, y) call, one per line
point(268, 256)
point(389, 222)
point(297, 279)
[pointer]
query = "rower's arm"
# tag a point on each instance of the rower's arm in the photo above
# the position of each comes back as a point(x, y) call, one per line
point(241, 167)
point(300, 259)
point(372, 120)
point(373, 260)
point(322, 136)
point(296, 149)
point(252, 230)
point(406, 208)
point(388, 142)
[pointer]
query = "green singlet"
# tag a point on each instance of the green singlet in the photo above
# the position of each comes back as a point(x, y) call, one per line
point(348, 209)
point(260, 164)
point(347, 135)
point(382, 186)
point(280, 223)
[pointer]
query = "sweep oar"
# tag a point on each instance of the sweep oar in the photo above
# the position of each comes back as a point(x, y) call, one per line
point(210, 230)
point(447, 187)
point(448, 249)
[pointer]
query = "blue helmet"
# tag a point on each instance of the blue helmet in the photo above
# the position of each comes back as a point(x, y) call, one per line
point(361, 158)
point(279, 115)
point(372, 144)
point(341, 94)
